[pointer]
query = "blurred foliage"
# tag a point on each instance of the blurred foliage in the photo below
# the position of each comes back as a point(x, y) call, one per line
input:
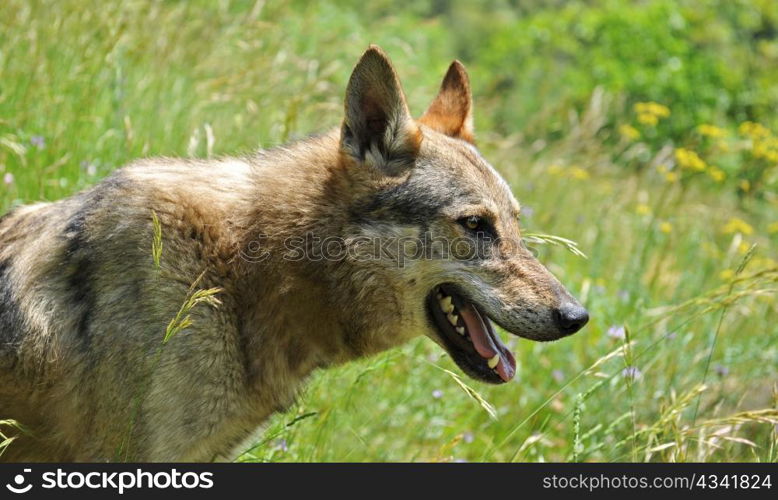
point(711, 61)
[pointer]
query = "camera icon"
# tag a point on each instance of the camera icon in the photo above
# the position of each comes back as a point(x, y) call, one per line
point(19, 482)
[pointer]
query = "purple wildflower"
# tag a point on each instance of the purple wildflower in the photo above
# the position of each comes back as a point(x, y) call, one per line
point(8, 178)
point(632, 373)
point(721, 370)
point(38, 141)
point(437, 394)
point(281, 444)
point(616, 332)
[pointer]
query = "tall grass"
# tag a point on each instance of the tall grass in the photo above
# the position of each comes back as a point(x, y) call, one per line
point(6, 437)
point(679, 361)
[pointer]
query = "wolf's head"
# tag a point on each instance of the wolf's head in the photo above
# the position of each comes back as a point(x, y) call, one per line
point(450, 259)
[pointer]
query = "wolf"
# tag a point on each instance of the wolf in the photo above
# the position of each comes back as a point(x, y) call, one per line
point(84, 305)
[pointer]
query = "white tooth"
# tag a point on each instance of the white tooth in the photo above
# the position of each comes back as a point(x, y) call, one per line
point(461, 330)
point(446, 305)
point(494, 361)
point(452, 318)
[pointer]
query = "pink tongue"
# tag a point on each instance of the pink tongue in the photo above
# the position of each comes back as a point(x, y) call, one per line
point(482, 341)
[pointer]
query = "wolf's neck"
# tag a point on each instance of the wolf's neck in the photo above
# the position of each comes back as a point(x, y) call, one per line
point(291, 303)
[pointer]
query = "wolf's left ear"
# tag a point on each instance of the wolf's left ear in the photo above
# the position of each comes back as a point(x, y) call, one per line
point(451, 112)
point(378, 129)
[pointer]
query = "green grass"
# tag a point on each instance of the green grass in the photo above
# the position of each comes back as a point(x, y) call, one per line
point(86, 86)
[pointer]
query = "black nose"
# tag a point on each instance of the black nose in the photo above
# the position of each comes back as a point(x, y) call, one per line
point(571, 317)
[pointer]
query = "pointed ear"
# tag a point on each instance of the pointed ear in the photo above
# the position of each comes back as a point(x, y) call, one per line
point(451, 111)
point(378, 130)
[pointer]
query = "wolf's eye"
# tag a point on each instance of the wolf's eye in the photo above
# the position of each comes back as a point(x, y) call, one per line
point(476, 224)
point(473, 222)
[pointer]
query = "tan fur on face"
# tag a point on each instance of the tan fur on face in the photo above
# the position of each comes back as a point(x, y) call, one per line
point(83, 309)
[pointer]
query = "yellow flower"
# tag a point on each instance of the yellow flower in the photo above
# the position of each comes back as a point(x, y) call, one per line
point(629, 132)
point(652, 108)
point(643, 209)
point(736, 225)
point(578, 173)
point(688, 159)
point(772, 228)
point(753, 130)
point(660, 110)
point(744, 185)
point(763, 146)
point(648, 119)
point(759, 150)
point(743, 248)
point(666, 227)
point(671, 177)
point(711, 131)
point(727, 274)
point(649, 113)
point(716, 174)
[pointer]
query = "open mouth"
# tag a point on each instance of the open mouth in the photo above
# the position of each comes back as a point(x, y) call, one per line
point(468, 336)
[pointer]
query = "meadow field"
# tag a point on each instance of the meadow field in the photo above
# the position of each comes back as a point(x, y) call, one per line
point(645, 131)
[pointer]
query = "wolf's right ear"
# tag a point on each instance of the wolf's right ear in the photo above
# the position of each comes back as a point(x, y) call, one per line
point(378, 129)
point(451, 112)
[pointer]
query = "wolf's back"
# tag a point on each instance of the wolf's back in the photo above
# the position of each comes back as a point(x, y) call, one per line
point(83, 310)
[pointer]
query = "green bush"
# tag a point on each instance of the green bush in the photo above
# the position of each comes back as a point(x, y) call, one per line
point(711, 62)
